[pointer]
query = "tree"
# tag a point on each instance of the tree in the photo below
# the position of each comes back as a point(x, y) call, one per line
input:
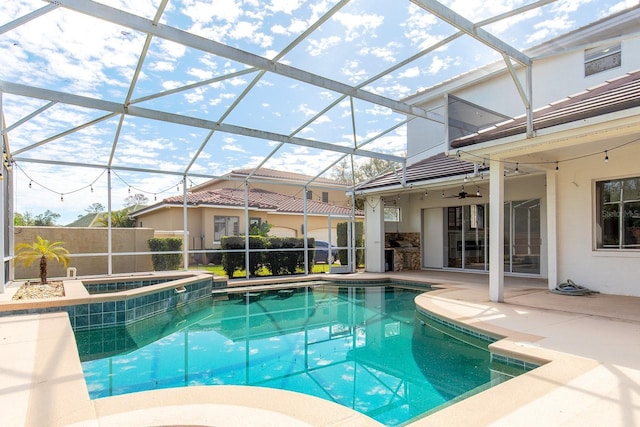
point(135, 201)
point(23, 219)
point(42, 250)
point(260, 230)
point(46, 219)
point(118, 219)
point(363, 170)
point(95, 208)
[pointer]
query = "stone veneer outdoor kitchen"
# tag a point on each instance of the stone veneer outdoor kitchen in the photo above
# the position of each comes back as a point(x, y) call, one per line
point(402, 251)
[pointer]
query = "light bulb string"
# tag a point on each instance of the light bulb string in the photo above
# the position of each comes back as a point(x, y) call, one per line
point(140, 190)
point(90, 185)
point(61, 193)
point(549, 162)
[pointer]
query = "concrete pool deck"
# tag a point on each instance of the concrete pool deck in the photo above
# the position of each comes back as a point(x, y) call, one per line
point(592, 344)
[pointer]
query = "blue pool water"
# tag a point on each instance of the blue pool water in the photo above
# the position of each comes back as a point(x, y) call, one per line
point(362, 347)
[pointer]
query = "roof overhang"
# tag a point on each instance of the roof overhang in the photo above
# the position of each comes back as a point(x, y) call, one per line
point(611, 128)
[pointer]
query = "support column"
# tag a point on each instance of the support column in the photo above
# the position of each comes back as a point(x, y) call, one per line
point(496, 231)
point(374, 234)
point(552, 248)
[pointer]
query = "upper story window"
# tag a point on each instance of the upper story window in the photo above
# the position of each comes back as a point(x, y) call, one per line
point(618, 214)
point(325, 196)
point(602, 58)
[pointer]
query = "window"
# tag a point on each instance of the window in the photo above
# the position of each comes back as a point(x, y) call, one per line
point(325, 196)
point(225, 226)
point(618, 214)
point(602, 58)
point(309, 195)
point(392, 214)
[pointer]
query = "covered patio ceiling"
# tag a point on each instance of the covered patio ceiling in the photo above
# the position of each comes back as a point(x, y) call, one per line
point(165, 93)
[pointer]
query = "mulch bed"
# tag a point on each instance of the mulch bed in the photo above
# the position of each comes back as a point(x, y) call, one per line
point(34, 290)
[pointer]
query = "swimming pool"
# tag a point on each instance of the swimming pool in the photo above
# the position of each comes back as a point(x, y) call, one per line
point(362, 347)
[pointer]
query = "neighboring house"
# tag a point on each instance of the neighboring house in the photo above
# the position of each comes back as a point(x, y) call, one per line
point(562, 201)
point(293, 184)
point(89, 220)
point(213, 214)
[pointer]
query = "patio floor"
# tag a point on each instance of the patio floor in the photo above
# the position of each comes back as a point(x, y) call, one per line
point(591, 343)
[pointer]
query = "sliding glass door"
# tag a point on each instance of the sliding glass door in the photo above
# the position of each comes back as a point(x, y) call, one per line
point(467, 237)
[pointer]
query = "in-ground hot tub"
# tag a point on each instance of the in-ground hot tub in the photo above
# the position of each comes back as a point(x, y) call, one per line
point(123, 300)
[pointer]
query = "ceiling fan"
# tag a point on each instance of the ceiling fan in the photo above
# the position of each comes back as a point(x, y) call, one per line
point(464, 195)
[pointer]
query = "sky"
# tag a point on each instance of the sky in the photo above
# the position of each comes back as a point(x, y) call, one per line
point(360, 45)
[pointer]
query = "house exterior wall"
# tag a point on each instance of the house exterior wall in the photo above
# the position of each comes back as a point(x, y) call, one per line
point(201, 220)
point(607, 271)
point(553, 78)
point(574, 222)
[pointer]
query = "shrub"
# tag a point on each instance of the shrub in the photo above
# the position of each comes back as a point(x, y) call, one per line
point(343, 240)
point(165, 262)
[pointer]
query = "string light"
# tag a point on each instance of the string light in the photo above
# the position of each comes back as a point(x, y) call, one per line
point(155, 197)
point(91, 188)
point(478, 191)
point(517, 168)
point(606, 156)
point(30, 184)
point(61, 197)
point(557, 167)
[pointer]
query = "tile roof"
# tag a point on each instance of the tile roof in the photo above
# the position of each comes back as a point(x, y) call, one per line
point(258, 199)
point(438, 166)
point(283, 175)
point(614, 95)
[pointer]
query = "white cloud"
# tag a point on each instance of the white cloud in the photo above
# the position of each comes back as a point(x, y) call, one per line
point(284, 6)
point(354, 71)
point(308, 112)
point(162, 66)
point(384, 53)
point(410, 73)
point(203, 12)
point(625, 4)
point(438, 64)
point(199, 73)
point(549, 27)
point(319, 47)
point(357, 25)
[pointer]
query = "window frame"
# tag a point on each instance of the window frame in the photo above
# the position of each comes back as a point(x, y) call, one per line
point(627, 220)
point(235, 225)
point(398, 214)
point(602, 58)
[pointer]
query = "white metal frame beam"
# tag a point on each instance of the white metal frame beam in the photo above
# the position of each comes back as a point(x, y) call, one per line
point(166, 32)
point(114, 107)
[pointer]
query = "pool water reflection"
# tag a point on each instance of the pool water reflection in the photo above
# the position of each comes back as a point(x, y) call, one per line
point(362, 347)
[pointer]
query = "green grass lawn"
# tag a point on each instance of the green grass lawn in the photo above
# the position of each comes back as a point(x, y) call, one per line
point(218, 270)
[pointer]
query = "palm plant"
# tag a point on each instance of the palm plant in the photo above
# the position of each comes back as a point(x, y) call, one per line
point(42, 250)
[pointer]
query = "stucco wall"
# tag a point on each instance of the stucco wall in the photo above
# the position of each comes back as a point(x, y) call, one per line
point(553, 78)
point(79, 240)
point(607, 271)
